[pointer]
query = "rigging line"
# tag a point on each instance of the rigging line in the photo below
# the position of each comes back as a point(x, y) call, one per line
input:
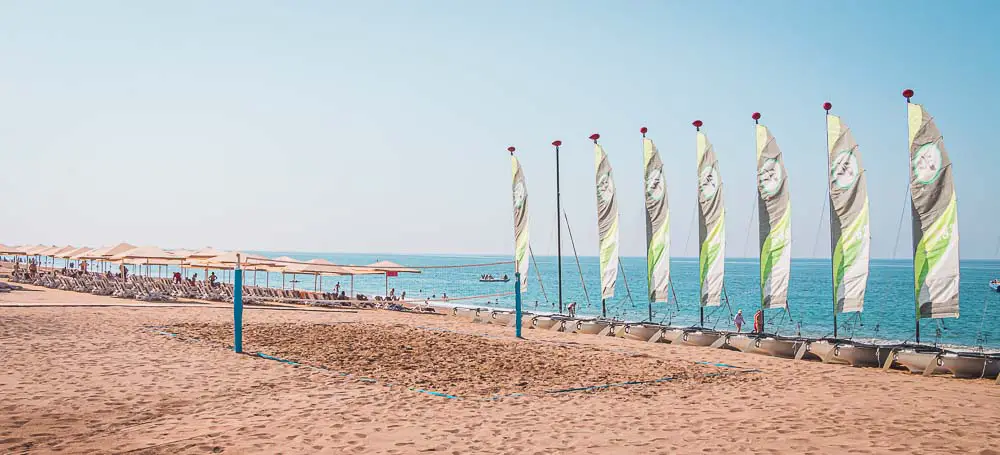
point(746, 242)
point(538, 275)
point(979, 336)
point(673, 291)
point(819, 226)
point(899, 227)
point(577, 257)
point(688, 240)
point(625, 280)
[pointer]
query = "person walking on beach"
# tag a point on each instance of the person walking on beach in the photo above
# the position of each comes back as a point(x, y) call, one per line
point(758, 321)
point(336, 288)
point(739, 321)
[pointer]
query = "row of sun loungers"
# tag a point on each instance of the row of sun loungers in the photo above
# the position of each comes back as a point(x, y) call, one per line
point(163, 289)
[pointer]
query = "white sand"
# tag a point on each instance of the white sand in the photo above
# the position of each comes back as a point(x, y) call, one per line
point(92, 379)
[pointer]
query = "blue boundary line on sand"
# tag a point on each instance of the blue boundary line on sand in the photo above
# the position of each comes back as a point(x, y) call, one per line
point(591, 388)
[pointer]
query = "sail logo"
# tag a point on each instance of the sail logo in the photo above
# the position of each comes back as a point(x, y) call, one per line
point(844, 171)
point(519, 194)
point(769, 177)
point(708, 182)
point(605, 188)
point(927, 163)
point(654, 185)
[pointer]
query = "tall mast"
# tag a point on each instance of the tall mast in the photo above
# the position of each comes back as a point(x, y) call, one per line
point(833, 279)
point(756, 121)
point(916, 297)
point(557, 144)
point(701, 305)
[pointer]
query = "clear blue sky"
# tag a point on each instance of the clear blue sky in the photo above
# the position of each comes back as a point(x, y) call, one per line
point(382, 126)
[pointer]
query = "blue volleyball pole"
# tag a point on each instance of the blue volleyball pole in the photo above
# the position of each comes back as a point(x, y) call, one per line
point(517, 304)
point(238, 307)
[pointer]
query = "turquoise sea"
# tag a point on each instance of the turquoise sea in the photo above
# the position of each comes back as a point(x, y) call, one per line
point(888, 315)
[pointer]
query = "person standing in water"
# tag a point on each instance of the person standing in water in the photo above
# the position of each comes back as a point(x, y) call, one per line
point(738, 320)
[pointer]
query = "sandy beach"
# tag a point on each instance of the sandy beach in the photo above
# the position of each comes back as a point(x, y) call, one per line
point(91, 374)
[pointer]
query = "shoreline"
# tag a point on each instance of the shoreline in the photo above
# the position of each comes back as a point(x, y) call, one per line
point(98, 379)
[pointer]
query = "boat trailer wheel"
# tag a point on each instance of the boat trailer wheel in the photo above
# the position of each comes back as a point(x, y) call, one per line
point(534, 322)
point(756, 343)
point(493, 314)
point(685, 336)
point(836, 351)
point(627, 328)
point(579, 325)
point(940, 362)
point(477, 312)
point(454, 311)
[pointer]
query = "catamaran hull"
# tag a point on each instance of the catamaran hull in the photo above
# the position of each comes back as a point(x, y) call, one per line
point(858, 355)
point(502, 318)
point(916, 361)
point(591, 327)
point(697, 338)
point(468, 314)
point(641, 332)
point(957, 364)
point(745, 343)
point(970, 367)
point(778, 347)
point(543, 322)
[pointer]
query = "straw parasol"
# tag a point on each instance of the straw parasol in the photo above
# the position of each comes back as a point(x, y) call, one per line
point(11, 250)
point(390, 268)
point(52, 251)
point(183, 254)
point(33, 250)
point(96, 253)
point(144, 252)
point(70, 254)
point(316, 267)
point(206, 253)
point(118, 249)
point(146, 255)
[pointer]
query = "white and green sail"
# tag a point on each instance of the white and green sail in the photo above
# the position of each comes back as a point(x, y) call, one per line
point(607, 222)
point(657, 224)
point(520, 192)
point(775, 216)
point(850, 236)
point(935, 219)
point(711, 224)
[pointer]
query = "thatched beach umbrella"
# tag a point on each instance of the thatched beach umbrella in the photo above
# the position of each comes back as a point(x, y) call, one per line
point(316, 269)
point(148, 255)
point(390, 268)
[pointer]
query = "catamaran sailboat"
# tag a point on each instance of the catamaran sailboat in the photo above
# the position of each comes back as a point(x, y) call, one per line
point(711, 241)
point(850, 245)
point(935, 249)
point(775, 236)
